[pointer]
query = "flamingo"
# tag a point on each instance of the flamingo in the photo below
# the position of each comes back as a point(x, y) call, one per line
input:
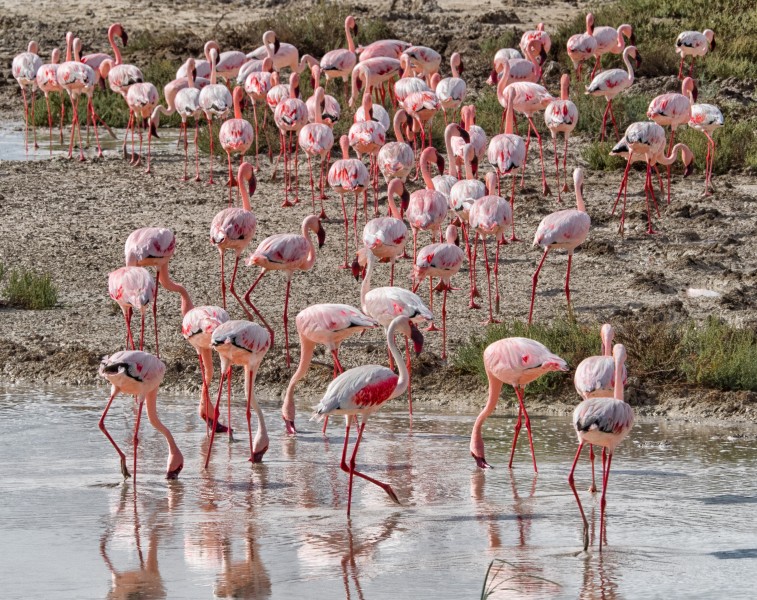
point(422, 106)
point(408, 83)
point(75, 78)
point(132, 287)
point(610, 40)
point(257, 84)
point(139, 374)
point(285, 252)
point(423, 61)
point(327, 324)
point(142, 98)
point(316, 140)
point(561, 116)
point(611, 82)
point(362, 391)
point(367, 137)
point(47, 82)
point(285, 56)
point(371, 74)
point(24, 68)
point(566, 229)
point(595, 378)
point(602, 422)
point(540, 38)
point(200, 65)
point(516, 361)
point(340, 62)
point(348, 175)
point(476, 134)
point(444, 181)
point(229, 63)
point(384, 304)
point(154, 247)
point(693, 43)
point(490, 215)
point(243, 344)
point(451, 90)
point(234, 228)
point(385, 236)
point(378, 112)
point(197, 327)
point(215, 99)
point(427, 207)
point(582, 46)
point(707, 118)
point(88, 89)
point(236, 135)
point(500, 57)
point(396, 159)
point(290, 116)
point(444, 261)
point(330, 108)
point(382, 49)
point(520, 69)
point(673, 110)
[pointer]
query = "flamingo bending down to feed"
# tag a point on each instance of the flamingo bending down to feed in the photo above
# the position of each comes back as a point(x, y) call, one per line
point(215, 99)
point(24, 69)
point(610, 40)
point(441, 260)
point(565, 229)
point(234, 228)
point(316, 139)
point(236, 135)
point(385, 236)
point(693, 43)
point(561, 116)
point(382, 48)
point(133, 287)
point(288, 252)
point(362, 391)
point(245, 344)
point(139, 374)
point(707, 118)
point(610, 83)
point(516, 361)
point(595, 378)
point(47, 82)
point(602, 422)
point(197, 327)
point(327, 324)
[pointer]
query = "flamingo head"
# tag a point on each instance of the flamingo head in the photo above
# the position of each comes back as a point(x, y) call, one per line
point(710, 35)
point(320, 233)
point(578, 180)
point(589, 23)
point(351, 24)
point(105, 67)
point(474, 165)
point(490, 183)
point(633, 51)
point(606, 333)
point(689, 87)
point(493, 77)
point(688, 160)
point(417, 337)
point(542, 58)
point(456, 58)
point(154, 128)
point(356, 267)
point(270, 38)
point(404, 197)
point(118, 29)
point(451, 236)
point(210, 47)
point(247, 174)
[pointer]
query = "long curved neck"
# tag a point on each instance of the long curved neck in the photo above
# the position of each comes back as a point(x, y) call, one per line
point(448, 148)
point(151, 406)
point(580, 198)
point(213, 75)
point(350, 41)
point(407, 72)
point(366, 285)
point(671, 158)
point(237, 108)
point(245, 196)
point(627, 60)
point(357, 72)
point(311, 247)
point(468, 164)
point(426, 173)
point(509, 117)
point(453, 67)
point(401, 366)
point(116, 51)
point(398, 126)
point(393, 210)
point(190, 78)
point(69, 41)
point(618, 391)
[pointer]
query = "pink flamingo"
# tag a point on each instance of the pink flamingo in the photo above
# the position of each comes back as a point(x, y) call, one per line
point(566, 229)
point(693, 43)
point(142, 98)
point(285, 56)
point(477, 135)
point(290, 116)
point(132, 287)
point(236, 135)
point(384, 304)
point(327, 324)
point(561, 116)
point(154, 247)
point(582, 46)
point(516, 361)
point(422, 106)
point(520, 69)
point(201, 66)
point(396, 159)
point(602, 422)
point(382, 49)
point(595, 378)
point(371, 74)
point(451, 90)
point(362, 391)
point(539, 37)
point(234, 228)
point(139, 374)
point(609, 40)
point(443, 182)
point(197, 328)
point(385, 236)
point(340, 62)
point(288, 252)
point(427, 208)
point(408, 83)
point(673, 110)
point(330, 108)
point(378, 113)
point(707, 118)
point(229, 63)
point(47, 82)
point(490, 215)
point(423, 61)
point(244, 344)
point(610, 83)
point(316, 140)
point(215, 99)
point(348, 175)
point(500, 57)
point(367, 137)
point(257, 85)
point(24, 68)
point(443, 261)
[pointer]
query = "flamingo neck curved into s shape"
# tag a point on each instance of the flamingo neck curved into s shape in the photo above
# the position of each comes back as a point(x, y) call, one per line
point(404, 376)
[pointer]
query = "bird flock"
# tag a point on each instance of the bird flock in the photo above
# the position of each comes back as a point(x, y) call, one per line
point(395, 88)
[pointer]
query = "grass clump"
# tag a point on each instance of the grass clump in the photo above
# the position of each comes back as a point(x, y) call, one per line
point(736, 146)
point(597, 155)
point(29, 289)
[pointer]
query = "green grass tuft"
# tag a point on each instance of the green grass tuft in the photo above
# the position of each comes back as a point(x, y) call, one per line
point(30, 290)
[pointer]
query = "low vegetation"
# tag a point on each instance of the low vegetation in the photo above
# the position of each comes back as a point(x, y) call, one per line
point(28, 289)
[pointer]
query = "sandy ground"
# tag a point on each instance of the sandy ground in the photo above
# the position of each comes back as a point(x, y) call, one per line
point(72, 219)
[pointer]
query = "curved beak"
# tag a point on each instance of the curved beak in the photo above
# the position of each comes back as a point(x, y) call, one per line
point(638, 59)
point(124, 37)
point(542, 56)
point(465, 135)
point(493, 77)
point(460, 67)
point(276, 45)
point(712, 45)
point(440, 163)
point(355, 268)
point(689, 169)
point(321, 235)
point(474, 166)
point(695, 92)
point(253, 185)
point(194, 73)
point(404, 199)
point(153, 129)
point(417, 338)
point(632, 39)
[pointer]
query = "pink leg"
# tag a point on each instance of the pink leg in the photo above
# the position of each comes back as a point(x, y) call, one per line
point(252, 306)
point(614, 124)
point(545, 186)
point(567, 281)
point(603, 502)
point(135, 439)
point(488, 281)
point(155, 315)
point(593, 487)
point(216, 413)
point(197, 150)
point(564, 165)
point(286, 319)
point(142, 332)
point(444, 324)
point(186, 148)
point(26, 120)
point(124, 470)
point(516, 432)
point(410, 379)
point(346, 235)
point(474, 289)
point(49, 122)
point(534, 281)
point(129, 337)
point(604, 122)
point(557, 167)
point(210, 133)
point(94, 122)
point(223, 280)
point(597, 65)
point(496, 278)
point(519, 393)
point(572, 483)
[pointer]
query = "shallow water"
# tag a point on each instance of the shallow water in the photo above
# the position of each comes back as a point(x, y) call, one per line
point(681, 502)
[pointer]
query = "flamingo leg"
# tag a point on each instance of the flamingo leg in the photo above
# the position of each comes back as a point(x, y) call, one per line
point(670, 148)
point(129, 338)
point(186, 147)
point(648, 189)
point(496, 278)
point(135, 439)
point(197, 150)
point(217, 413)
point(534, 281)
point(519, 393)
point(346, 235)
point(572, 483)
point(545, 186)
point(312, 185)
point(142, 332)
point(564, 165)
point(322, 180)
point(444, 324)
point(474, 289)
point(513, 237)
point(516, 432)
point(286, 319)
point(124, 470)
point(26, 120)
point(155, 314)
point(94, 123)
point(228, 406)
point(409, 379)
point(593, 486)
point(255, 122)
point(49, 122)
point(252, 306)
point(557, 167)
point(603, 501)
point(597, 65)
point(614, 124)
point(210, 133)
point(567, 282)
point(604, 122)
point(223, 279)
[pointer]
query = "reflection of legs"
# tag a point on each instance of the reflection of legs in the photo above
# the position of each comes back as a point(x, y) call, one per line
point(135, 439)
point(217, 412)
point(578, 500)
point(603, 502)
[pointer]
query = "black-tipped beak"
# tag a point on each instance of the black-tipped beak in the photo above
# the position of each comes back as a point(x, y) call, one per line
point(370, 114)
point(712, 45)
point(695, 92)
point(542, 56)
point(474, 166)
point(417, 338)
point(356, 29)
point(253, 185)
point(440, 163)
point(355, 268)
point(404, 199)
point(153, 129)
point(194, 73)
point(312, 82)
point(465, 135)
point(689, 169)
point(276, 45)
point(638, 59)
point(124, 37)
point(494, 76)
point(321, 235)
point(457, 240)
point(461, 68)
point(297, 91)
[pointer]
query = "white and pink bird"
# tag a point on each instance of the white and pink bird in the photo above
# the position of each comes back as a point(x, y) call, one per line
point(561, 116)
point(707, 118)
point(24, 69)
point(236, 135)
point(610, 83)
point(316, 139)
point(133, 288)
point(693, 44)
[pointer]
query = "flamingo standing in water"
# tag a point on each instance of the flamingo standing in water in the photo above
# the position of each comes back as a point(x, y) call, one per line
point(610, 83)
point(693, 43)
point(234, 228)
point(451, 90)
point(602, 422)
point(288, 252)
point(362, 391)
point(561, 116)
point(582, 46)
point(47, 82)
point(707, 118)
point(24, 69)
point(197, 327)
point(133, 287)
point(444, 261)
point(396, 159)
point(516, 361)
point(566, 229)
point(244, 344)
point(215, 99)
point(610, 40)
point(595, 378)
point(340, 62)
point(348, 175)
point(139, 374)
point(367, 137)
point(385, 236)
point(327, 324)
point(316, 140)
point(290, 116)
point(257, 84)
point(236, 135)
